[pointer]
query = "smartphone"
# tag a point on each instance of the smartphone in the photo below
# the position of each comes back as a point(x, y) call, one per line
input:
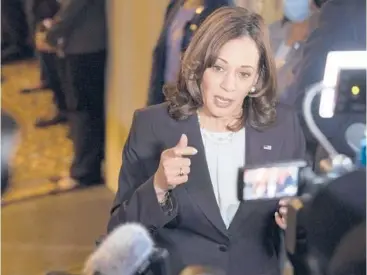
point(271, 181)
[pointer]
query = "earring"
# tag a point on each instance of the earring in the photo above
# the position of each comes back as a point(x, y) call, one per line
point(253, 89)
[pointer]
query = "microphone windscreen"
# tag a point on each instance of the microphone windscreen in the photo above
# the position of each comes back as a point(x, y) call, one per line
point(124, 251)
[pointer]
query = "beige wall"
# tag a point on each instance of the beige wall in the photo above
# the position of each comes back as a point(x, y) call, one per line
point(272, 10)
point(133, 30)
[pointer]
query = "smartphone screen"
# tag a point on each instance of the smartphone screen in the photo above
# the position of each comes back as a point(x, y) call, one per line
point(270, 182)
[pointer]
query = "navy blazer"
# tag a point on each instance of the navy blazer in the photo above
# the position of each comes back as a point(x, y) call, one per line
point(194, 233)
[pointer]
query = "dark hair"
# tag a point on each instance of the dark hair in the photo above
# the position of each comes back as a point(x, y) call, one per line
point(223, 25)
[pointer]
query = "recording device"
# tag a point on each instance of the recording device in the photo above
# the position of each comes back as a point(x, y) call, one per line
point(317, 222)
point(324, 208)
point(343, 89)
point(331, 205)
point(127, 250)
point(351, 91)
point(270, 181)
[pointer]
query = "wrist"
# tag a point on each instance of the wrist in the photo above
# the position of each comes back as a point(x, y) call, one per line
point(159, 190)
point(160, 193)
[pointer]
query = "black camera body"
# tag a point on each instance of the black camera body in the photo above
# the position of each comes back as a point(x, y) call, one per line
point(351, 92)
point(318, 222)
point(322, 210)
point(326, 213)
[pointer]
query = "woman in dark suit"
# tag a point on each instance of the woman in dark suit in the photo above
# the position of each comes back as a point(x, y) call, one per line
point(181, 159)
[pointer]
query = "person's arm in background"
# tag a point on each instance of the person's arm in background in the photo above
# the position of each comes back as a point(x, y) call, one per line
point(209, 7)
point(65, 19)
point(342, 26)
point(154, 95)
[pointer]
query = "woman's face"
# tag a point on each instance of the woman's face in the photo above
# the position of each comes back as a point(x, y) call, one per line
point(226, 84)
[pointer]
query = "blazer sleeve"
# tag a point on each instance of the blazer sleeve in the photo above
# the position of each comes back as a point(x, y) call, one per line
point(156, 81)
point(136, 200)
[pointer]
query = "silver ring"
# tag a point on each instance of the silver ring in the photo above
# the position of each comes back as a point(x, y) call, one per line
point(181, 172)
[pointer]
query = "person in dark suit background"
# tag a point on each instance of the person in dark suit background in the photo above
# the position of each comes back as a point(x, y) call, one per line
point(79, 34)
point(287, 36)
point(181, 158)
point(37, 11)
point(182, 19)
point(14, 32)
point(332, 34)
point(52, 65)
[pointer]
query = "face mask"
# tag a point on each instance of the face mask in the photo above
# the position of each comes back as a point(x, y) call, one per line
point(296, 10)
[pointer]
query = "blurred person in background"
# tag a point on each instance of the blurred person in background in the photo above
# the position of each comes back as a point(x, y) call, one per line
point(9, 129)
point(341, 27)
point(182, 18)
point(180, 162)
point(78, 33)
point(51, 64)
point(36, 12)
point(15, 42)
point(287, 36)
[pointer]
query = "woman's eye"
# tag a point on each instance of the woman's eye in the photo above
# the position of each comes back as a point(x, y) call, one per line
point(244, 75)
point(217, 68)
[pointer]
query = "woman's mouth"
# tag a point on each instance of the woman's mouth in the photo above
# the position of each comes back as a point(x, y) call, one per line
point(222, 102)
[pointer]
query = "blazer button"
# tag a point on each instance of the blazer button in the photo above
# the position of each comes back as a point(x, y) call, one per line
point(193, 27)
point(223, 248)
point(199, 10)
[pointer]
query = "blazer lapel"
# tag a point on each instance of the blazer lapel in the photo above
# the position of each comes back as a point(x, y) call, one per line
point(199, 185)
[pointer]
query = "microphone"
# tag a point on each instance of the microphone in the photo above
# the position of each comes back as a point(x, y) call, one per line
point(354, 134)
point(126, 250)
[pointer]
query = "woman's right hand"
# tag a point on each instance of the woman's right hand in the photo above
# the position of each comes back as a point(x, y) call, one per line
point(174, 166)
